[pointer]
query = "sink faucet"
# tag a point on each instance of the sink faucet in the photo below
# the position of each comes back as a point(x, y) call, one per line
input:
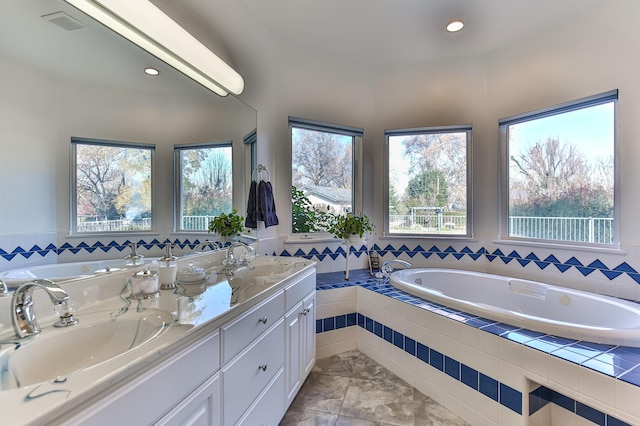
point(23, 315)
point(387, 267)
point(231, 263)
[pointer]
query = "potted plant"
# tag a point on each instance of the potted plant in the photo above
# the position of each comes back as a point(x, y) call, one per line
point(227, 224)
point(347, 227)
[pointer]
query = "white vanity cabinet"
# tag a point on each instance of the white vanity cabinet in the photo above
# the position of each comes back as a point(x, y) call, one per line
point(187, 376)
point(245, 370)
point(300, 339)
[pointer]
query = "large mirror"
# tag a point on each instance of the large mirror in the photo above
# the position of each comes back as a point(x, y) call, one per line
point(59, 82)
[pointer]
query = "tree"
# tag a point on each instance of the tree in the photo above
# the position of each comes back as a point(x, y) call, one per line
point(554, 179)
point(206, 181)
point(112, 181)
point(429, 189)
point(321, 159)
point(445, 152)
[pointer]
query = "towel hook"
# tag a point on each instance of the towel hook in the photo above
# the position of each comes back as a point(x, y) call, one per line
point(261, 169)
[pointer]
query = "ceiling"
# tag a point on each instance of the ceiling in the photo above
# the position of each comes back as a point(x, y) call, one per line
point(379, 33)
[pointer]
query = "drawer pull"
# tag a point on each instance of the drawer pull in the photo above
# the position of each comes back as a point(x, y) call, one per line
point(263, 367)
point(305, 312)
point(263, 320)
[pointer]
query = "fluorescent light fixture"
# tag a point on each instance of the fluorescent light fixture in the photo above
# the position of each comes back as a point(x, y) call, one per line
point(455, 26)
point(142, 23)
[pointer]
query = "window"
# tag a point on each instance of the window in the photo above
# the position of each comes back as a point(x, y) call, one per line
point(325, 173)
point(428, 181)
point(560, 172)
point(204, 181)
point(111, 186)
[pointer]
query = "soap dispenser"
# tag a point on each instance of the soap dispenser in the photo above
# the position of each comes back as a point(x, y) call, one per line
point(167, 269)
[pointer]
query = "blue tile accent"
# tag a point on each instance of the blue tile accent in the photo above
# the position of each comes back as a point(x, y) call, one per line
point(328, 324)
point(488, 386)
point(590, 414)
point(341, 321)
point(398, 339)
point(436, 359)
point(422, 352)
point(452, 367)
point(469, 376)
point(409, 345)
point(511, 398)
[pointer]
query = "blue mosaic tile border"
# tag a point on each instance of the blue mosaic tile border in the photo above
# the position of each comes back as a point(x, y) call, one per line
point(540, 397)
point(619, 362)
point(97, 246)
point(482, 253)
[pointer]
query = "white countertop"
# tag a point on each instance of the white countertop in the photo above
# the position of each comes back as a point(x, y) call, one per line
point(198, 310)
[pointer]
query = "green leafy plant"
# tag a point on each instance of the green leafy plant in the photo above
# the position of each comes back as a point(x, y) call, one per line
point(304, 216)
point(227, 224)
point(344, 226)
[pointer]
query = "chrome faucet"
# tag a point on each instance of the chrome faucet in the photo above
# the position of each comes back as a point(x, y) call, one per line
point(231, 263)
point(23, 314)
point(387, 267)
point(4, 289)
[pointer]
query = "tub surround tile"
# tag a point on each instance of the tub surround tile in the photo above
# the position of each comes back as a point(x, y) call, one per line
point(373, 396)
point(619, 362)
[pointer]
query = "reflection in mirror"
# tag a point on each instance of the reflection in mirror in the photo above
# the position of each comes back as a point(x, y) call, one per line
point(64, 76)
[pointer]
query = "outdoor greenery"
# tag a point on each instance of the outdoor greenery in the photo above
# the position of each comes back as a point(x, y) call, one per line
point(113, 183)
point(206, 180)
point(344, 226)
point(227, 224)
point(304, 216)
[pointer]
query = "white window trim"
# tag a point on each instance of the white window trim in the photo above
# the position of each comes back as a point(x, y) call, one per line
point(468, 128)
point(73, 179)
point(503, 199)
point(177, 182)
point(357, 167)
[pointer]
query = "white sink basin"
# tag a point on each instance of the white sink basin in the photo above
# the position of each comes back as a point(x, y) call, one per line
point(58, 352)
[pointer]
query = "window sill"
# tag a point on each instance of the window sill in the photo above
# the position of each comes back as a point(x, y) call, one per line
point(556, 246)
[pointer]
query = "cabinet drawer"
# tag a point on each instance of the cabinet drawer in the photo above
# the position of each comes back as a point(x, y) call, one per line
point(296, 291)
point(244, 378)
point(269, 407)
point(242, 331)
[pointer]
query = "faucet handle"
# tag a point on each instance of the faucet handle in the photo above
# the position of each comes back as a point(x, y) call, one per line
point(65, 310)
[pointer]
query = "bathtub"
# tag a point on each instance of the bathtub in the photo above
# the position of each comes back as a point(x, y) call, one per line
point(532, 305)
point(64, 271)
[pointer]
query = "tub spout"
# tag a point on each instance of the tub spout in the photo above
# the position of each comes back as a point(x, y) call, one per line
point(387, 267)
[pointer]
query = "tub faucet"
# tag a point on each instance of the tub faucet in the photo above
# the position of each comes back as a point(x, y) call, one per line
point(213, 245)
point(23, 315)
point(387, 267)
point(231, 263)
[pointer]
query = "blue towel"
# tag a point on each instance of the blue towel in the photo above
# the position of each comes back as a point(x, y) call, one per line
point(266, 204)
point(252, 212)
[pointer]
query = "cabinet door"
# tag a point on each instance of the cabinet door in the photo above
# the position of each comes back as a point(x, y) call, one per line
point(308, 344)
point(300, 341)
point(293, 351)
point(201, 408)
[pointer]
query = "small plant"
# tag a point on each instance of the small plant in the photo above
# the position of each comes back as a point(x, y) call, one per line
point(344, 226)
point(227, 225)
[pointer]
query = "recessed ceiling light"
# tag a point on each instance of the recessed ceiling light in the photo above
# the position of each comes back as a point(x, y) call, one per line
point(455, 26)
point(151, 71)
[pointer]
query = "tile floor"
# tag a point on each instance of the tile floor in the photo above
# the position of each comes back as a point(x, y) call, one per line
point(352, 389)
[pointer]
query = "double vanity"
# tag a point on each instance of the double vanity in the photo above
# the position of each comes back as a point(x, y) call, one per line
point(232, 348)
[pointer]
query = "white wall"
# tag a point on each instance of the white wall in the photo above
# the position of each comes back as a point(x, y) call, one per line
point(590, 54)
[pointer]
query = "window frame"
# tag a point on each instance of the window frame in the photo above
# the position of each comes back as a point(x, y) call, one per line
point(356, 167)
point(73, 182)
point(177, 180)
point(466, 128)
point(570, 106)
